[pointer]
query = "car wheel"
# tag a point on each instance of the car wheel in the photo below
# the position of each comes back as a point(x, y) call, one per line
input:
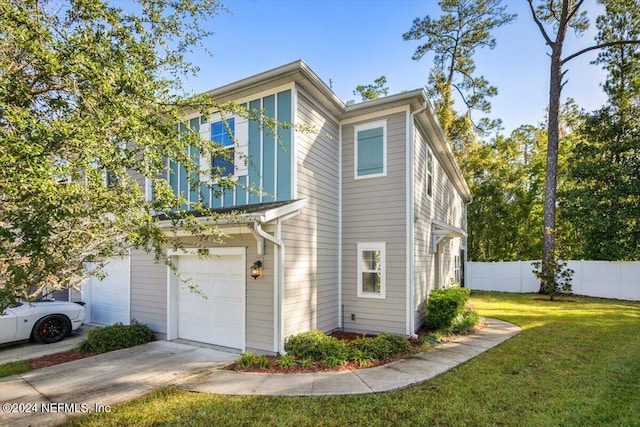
point(51, 329)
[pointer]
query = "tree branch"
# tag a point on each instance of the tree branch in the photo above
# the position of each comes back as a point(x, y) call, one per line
point(600, 46)
point(575, 10)
point(539, 24)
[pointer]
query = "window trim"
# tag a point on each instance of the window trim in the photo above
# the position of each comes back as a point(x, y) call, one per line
point(429, 174)
point(363, 127)
point(369, 246)
point(228, 145)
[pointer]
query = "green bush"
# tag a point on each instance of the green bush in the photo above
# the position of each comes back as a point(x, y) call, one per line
point(246, 360)
point(332, 361)
point(443, 306)
point(465, 322)
point(116, 337)
point(314, 345)
point(263, 362)
point(286, 361)
point(380, 347)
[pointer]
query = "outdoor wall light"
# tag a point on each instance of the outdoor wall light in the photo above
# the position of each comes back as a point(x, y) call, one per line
point(256, 269)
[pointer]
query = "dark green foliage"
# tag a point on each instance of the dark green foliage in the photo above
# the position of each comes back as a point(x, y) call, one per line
point(443, 306)
point(116, 337)
point(314, 345)
point(374, 91)
point(554, 276)
point(380, 347)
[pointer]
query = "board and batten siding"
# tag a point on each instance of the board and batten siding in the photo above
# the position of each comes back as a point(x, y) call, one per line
point(445, 204)
point(311, 237)
point(149, 291)
point(374, 210)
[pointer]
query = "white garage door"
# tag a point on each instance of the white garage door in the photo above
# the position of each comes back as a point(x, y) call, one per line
point(108, 300)
point(220, 318)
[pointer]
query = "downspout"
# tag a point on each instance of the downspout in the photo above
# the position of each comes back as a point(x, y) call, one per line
point(279, 279)
point(340, 307)
point(411, 320)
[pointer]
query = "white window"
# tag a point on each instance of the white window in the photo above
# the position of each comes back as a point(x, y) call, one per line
point(223, 133)
point(429, 182)
point(456, 270)
point(370, 141)
point(371, 270)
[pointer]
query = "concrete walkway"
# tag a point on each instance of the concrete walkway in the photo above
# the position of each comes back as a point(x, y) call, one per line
point(50, 396)
point(396, 375)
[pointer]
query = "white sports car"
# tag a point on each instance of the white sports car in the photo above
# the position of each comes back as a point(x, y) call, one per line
point(44, 321)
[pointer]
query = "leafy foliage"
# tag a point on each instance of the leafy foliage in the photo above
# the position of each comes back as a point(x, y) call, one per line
point(604, 165)
point(444, 306)
point(246, 360)
point(286, 361)
point(377, 348)
point(314, 345)
point(464, 26)
point(92, 106)
point(373, 91)
point(116, 337)
point(555, 277)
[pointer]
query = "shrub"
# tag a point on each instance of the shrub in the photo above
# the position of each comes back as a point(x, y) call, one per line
point(465, 321)
point(116, 337)
point(306, 363)
point(286, 361)
point(360, 357)
point(314, 345)
point(246, 360)
point(262, 362)
point(397, 344)
point(557, 280)
point(333, 361)
point(443, 306)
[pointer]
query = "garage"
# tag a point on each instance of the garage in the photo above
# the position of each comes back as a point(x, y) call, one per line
point(218, 317)
point(108, 300)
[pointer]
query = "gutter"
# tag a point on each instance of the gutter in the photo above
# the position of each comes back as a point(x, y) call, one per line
point(411, 273)
point(278, 278)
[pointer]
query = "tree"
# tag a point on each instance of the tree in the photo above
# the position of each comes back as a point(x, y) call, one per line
point(89, 90)
point(505, 177)
point(605, 162)
point(561, 16)
point(465, 26)
point(373, 91)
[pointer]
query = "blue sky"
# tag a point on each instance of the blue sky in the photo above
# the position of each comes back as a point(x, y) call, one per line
point(354, 42)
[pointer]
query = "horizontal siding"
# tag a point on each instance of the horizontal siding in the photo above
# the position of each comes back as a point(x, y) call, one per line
point(374, 210)
point(445, 205)
point(149, 291)
point(311, 238)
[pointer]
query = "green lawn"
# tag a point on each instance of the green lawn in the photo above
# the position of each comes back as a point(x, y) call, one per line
point(13, 368)
point(576, 362)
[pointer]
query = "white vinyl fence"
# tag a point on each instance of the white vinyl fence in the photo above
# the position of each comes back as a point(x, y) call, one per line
point(604, 279)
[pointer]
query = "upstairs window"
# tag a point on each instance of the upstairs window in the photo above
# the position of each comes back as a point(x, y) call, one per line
point(429, 182)
point(370, 150)
point(371, 270)
point(223, 134)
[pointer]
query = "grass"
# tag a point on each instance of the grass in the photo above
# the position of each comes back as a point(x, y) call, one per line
point(575, 363)
point(14, 368)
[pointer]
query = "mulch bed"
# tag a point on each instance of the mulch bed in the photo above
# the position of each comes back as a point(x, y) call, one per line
point(58, 358)
point(274, 368)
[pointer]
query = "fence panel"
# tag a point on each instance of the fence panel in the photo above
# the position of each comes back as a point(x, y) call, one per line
point(604, 279)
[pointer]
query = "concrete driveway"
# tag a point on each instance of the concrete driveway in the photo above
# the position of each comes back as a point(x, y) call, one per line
point(31, 350)
point(49, 396)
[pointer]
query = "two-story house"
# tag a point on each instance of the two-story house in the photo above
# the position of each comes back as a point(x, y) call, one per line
point(356, 223)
